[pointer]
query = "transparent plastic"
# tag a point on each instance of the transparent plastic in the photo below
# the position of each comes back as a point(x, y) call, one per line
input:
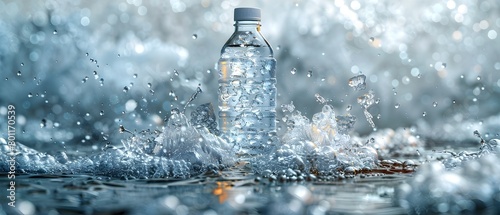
point(247, 91)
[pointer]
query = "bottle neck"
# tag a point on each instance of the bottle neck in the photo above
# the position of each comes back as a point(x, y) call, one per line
point(247, 26)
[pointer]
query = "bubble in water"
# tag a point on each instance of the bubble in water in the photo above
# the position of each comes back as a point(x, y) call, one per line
point(125, 89)
point(434, 104)
point(18, 73)
point(195, 36)
point(293, 71)
point(309, 73)
point(397, 105)
point(358, 82)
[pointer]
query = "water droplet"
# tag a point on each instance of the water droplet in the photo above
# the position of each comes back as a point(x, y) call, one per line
point(372, 39)
point(122, 129)
point(478, 78)
point(379, 116)
point(135, 75)
point(119, 55)
point(176, 73)
point(424, 113)
point(55, 32)
point(43, 123)
point(152, 92)
point(149, 85)
point(125, 89)
point(96, 76)
point(18, 73)
point(30, 95)
point(22, 64)
point(443, 65)
point(208, 71)
point(101, 81)
point(309, 73)
point(87, 54)
point(454, 101)
point(349, 107)
point(462, 76)
point(195, 36)
point(101, 113)
point(397, 105)
point(293, 71)
point(377, 101)
point(434, 104)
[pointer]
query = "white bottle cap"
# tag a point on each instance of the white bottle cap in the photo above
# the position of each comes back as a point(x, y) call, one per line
point(246, 14)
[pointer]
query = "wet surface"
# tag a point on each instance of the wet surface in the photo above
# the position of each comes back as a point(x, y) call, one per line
point(232, 191)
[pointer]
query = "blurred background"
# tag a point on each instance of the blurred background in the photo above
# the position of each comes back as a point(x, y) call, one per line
point(76, 70)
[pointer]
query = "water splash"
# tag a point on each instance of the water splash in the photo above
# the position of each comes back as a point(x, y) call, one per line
point(318, 146)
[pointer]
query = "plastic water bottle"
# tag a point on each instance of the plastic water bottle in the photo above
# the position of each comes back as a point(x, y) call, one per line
point(247, 91)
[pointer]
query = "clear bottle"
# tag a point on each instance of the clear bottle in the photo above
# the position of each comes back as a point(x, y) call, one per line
point(247, 91)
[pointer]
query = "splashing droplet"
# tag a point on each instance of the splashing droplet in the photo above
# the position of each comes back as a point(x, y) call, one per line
point(397, 105)
point(348, 108)
point(125, 89)
point(195, 36)
point(101, 113)
point(135, 75)
point(309, 73)
point(372, 39)
point(43, 123)
point(443, 65)
point(85, 79)
point(293, 71)
point(22, 64)
point(30, 95)
point(434, 104)
point(176, 73)
point(424, 113)
point(478, 78)
point(101, 81)
point(87, 54)
point(149, 85)
point(18, 73)
point(55, 32)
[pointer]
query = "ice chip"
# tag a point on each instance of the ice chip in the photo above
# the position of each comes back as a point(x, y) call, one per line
point(358, 82)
